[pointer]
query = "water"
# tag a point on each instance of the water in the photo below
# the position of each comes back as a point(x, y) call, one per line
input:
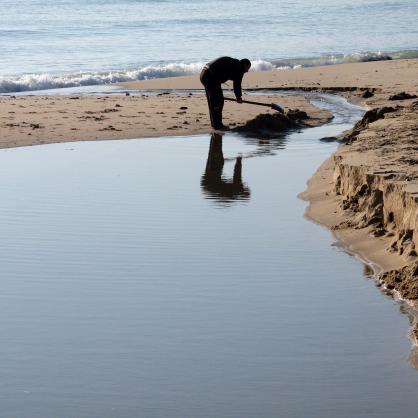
point(67, 43)
point(132, 286)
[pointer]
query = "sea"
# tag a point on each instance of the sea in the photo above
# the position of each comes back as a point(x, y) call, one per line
point(50, 44)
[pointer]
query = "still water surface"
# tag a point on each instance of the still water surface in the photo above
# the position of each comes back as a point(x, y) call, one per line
point(140, 279)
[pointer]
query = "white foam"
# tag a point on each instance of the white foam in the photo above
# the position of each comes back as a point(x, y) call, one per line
point(261, 65)
point(32, 82)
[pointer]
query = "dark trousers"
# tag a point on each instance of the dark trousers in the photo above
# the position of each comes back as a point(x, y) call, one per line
point(215, 98)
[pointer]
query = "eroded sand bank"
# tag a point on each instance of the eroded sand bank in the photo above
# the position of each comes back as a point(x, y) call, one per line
point(367, 192)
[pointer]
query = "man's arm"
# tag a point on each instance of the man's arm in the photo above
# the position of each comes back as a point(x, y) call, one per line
point(237, 88)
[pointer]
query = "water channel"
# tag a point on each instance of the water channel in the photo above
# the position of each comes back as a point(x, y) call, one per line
point(167, 278)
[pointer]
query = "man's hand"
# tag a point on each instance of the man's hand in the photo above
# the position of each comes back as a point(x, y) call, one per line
point(239, 99)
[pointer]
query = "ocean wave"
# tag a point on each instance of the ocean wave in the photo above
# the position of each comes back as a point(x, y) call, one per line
point(332, 59)
point(33, 82)
point(46, 81)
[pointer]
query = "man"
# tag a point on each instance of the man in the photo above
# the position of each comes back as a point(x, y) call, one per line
point(213, 75)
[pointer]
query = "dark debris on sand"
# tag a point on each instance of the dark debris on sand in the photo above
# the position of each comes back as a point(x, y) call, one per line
point(402, 96)
point(274, 123)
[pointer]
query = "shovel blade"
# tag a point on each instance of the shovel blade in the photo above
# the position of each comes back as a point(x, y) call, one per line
point(278, 108)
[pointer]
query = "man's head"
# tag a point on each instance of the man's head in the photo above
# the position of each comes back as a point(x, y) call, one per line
point(246, 64)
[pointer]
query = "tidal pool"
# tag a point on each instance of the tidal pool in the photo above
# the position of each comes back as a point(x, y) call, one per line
point(164, 278)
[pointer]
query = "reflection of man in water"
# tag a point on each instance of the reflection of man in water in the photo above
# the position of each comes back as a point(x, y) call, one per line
point(213, 184)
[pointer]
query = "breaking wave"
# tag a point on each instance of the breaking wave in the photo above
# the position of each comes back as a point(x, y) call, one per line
point(46, 81)
point(32, 82)
point(332, 59)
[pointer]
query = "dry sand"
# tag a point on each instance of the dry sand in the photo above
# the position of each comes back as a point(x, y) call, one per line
point(48, 119)
point(367, 193)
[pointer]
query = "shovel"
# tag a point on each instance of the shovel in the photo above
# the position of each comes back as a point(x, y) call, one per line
point(272, 105)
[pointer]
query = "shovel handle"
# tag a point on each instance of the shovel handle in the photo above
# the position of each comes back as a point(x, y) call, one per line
point(248, 101)
point(272, 105)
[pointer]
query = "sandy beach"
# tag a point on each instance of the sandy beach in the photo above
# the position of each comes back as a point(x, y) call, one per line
point(31, 120)
point(367, 193)
point(161, 108)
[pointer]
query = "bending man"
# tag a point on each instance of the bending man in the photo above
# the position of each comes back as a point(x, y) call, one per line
point(213, 75)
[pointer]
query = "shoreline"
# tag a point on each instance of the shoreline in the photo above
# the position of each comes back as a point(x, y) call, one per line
point(366, 193)
point(368, 187)
point(178, 110)
point(361, 195)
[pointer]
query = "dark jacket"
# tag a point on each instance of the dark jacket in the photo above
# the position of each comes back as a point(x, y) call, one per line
point(227, 68)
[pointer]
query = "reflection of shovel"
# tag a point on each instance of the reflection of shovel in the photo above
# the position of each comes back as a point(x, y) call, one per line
point(272, 105)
